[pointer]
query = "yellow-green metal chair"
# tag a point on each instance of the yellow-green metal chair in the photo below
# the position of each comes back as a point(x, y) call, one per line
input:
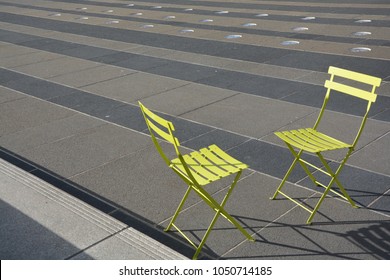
point(196, 169)
point(312, 141)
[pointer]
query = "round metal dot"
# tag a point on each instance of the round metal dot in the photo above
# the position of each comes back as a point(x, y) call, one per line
point(362, 33)
point(289, 43)
point(233, 36)
point(363, 21)
point(187, 31)
point(249, 24)
point(360, 49)
point(298, 29)
point(309, 18)
point(262, 15)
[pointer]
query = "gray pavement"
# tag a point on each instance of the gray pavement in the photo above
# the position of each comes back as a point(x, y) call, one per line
point(74, 141)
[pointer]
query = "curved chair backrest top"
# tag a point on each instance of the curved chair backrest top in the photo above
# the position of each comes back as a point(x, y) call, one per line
point(356, 78)
point(160, 127)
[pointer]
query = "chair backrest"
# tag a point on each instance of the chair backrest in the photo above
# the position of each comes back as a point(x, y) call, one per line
point(162, 128)
point(357, 78)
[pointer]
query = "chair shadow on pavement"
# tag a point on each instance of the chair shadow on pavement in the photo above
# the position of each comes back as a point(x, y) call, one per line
point(370, 239)
point(374, 239)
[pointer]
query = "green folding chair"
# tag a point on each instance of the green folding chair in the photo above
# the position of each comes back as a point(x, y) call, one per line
point(196, 169)
point(312, 141)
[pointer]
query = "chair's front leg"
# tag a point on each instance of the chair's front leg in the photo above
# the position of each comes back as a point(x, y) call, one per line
point(231, 189)
point(229, 217)
point(221, 211)
point(178, 209)
point(206, 235)
point(297, 156)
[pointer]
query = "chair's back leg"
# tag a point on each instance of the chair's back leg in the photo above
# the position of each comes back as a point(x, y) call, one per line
point(328, 188)
point(335, 174)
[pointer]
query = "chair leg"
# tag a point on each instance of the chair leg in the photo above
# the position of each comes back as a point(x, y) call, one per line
point(200, 246)
point(319, 202)
point(178, 209)
point(220, 211)
point(334, 177)
point(329, 172)
point(218, 208)
point(297, 156)
point(226, 215)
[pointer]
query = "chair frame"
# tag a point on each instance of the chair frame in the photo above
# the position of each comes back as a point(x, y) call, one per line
point(182, 167)
point(332, 144)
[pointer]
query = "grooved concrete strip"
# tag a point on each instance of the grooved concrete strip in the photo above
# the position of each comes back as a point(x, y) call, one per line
point(30, 195)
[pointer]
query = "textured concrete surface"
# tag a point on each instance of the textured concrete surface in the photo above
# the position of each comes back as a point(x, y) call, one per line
point(70, 82)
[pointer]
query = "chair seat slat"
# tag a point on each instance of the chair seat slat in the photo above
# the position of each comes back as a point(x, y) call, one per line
point(219, 161)
point(176, 163)
point(337, 143)
point(215, 149)
point(290, 141)
point(216, 160)
point(294, 141)
point(328, 142)
point(311, 140)
point(209, 165)
point(308, 140)
point(315, 137)
point(198, 168)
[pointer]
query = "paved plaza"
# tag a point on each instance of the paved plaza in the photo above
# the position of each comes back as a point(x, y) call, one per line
point(80, 177)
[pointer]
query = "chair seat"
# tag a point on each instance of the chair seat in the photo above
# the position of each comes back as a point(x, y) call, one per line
point(311, 140)
point(209, 164)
